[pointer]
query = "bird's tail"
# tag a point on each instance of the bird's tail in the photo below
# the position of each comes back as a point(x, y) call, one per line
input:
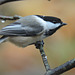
point(3, 39)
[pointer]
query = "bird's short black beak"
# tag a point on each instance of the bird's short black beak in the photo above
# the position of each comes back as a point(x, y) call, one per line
point(64, 24)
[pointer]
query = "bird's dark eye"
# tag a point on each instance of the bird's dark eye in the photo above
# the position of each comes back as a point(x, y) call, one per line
point(54, 22)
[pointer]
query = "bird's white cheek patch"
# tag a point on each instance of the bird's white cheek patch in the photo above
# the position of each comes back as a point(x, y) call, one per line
point(51, 25)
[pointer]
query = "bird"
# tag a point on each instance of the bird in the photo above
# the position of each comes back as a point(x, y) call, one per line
point(30, 29)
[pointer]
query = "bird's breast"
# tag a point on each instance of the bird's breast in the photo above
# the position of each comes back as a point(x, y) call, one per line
point(25, 41)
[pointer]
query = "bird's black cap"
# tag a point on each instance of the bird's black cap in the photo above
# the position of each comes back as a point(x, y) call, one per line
point(51, 19)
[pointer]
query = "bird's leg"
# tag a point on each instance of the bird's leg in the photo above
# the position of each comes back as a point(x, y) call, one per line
point(39, 45)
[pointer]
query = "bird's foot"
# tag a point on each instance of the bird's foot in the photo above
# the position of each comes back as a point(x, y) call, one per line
point(39, 43)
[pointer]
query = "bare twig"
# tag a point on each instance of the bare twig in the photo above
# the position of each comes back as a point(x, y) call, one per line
point(63, 68)
point(43, 55)
point(58, 70)
point(10, 17)
point(44, 58)
point(49, 0)
point(6, 1)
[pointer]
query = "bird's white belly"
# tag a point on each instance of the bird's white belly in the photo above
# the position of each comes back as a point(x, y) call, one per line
point(25, 41)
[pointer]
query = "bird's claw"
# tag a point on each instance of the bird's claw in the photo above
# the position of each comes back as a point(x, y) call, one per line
point(39, 43)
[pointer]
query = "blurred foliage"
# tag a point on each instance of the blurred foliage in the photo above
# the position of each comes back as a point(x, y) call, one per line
point(59, 48)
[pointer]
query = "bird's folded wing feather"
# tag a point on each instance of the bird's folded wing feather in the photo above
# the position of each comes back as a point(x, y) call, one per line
point(17, 29)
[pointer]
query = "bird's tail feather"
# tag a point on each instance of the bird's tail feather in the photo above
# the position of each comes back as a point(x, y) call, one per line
point(3, 39)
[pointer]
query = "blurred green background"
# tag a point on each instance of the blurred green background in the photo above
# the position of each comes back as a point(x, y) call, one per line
point(59, 48)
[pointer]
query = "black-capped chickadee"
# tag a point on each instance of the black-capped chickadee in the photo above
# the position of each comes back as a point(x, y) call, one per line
point(30, 29)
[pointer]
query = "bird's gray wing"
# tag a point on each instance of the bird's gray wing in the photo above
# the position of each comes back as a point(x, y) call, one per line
point(17, 29)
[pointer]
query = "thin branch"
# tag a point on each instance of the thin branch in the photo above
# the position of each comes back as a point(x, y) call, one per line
point(10, 17)
point(58, 70)
point(49, 0)
point(39, 45)
point(44, 58)
point(63, 68)
point(6, 1)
